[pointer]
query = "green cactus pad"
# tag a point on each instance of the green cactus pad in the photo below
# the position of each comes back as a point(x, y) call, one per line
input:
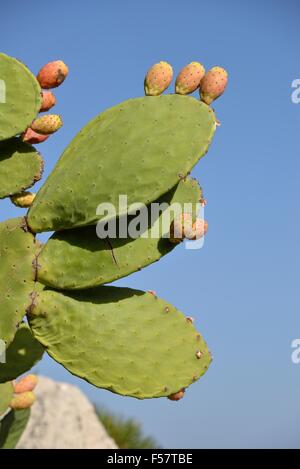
point(12, 427)
point(20, 97)
point(21, 355)
point(6, 394)
point(20, 167)
point(126, 341)
point(140, 148)
point(17, 275)
point(77, 258)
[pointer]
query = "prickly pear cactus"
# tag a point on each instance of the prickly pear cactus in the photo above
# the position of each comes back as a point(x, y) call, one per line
point(126, 341)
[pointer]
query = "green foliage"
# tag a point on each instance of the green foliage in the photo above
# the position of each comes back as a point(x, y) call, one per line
point(127, 341)
point(12, 427)
point(126, 432)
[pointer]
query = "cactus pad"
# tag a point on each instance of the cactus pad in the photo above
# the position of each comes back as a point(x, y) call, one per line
point(21, 355)
point(17, 275)
point(12, 427)
point(6, 394)
point(20, 97)
point(127, 341)
point(20, 167)
point(77, 258)
point(140, 148)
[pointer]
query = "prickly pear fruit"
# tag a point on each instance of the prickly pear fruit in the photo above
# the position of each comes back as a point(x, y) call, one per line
point(48, 101)
point(47, 124)
point(213, 84)
point(199, 229)
point(177, 396)
point(32, 137)
point(28, 383)
point(52, 74)
point(23, 200)
point(22, 401)
point(181, 228)
point(158, 78)
point(189, 78)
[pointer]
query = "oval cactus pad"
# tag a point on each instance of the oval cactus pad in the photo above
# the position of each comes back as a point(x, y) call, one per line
point(20, 97)
point(126, 341)
point(140, 148)
point(20, 167)
point(17, 275)
point(74, 259)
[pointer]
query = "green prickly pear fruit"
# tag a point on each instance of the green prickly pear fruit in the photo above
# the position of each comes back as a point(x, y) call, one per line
point(199, 229)
point(52, 74)
point(32, 137)
point(23, 200)
point(189, 78)
point(48, 101)
point(213, 84)
point(177, 396)
point(26, 384)
point(46, 125)
point(23, 400)
point(181, 228)
point(158, 78)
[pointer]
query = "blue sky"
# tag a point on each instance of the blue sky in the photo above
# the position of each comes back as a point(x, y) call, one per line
point(243, 286)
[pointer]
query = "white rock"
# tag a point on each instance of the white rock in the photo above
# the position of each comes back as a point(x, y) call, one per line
point(63, 418)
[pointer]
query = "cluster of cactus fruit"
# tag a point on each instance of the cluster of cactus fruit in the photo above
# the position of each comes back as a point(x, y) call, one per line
point(53, 297)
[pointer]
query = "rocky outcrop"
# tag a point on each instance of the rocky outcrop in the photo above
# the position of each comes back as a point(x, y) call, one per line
point(63, 418)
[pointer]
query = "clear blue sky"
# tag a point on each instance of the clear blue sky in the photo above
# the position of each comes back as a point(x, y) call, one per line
point(243, 286)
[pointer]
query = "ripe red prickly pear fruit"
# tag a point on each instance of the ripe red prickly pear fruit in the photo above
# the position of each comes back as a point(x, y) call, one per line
point(23, 200)
point(189, 78)
point(48, 101)
point(177, 396)
point(158, 78)
point(200, 228)
point(47, 124)
point(22, 401)
point(213, 84)
point(181, 228)
point(52, 74)
point(28, 383)
point(32, 137)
